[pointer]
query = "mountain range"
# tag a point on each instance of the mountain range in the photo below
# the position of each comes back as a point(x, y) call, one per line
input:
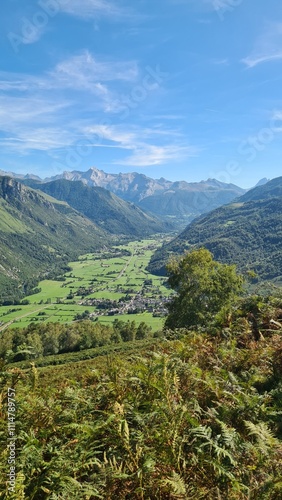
point(246, 232)
point(104, 208)
point(177, 202)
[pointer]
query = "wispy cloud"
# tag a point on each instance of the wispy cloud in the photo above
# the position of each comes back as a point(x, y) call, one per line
point(66, 105)
point(84, 71)
point(200, 5)
point(33, 28)
point(28, 124)
point(89, 9)
point(80, 73)
point(220, 62)
point(267, 48)
point(144, 153)
point(40, 139)
point(16, 112)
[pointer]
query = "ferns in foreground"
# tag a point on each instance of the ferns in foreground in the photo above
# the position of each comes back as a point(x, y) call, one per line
point(196, 418)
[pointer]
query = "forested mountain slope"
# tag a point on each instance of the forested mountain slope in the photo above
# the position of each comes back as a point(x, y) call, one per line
point(38, 235)
point(103, 207)
point(247, 232)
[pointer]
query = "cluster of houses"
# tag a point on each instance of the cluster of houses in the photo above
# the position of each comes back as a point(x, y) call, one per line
point(129, 304)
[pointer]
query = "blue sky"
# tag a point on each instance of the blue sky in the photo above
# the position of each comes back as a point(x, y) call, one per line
point(181, 89)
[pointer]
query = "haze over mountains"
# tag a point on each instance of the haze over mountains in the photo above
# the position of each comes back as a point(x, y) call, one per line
point(247, 232)
point(179, 201)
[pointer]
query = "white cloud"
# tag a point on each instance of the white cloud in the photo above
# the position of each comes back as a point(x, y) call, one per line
point(267, 48)
point(143, 153)
point(80, 73)
point(254, 60)
point(15, 112)
point(123, 139)
point(89, 9)
point(36, 124)
point(30, 124)
point(55, 111)
point(86, 70)
point(39, 139)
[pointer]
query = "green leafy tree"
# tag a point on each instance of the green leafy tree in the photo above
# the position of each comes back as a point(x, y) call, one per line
point(143, 331)
point(204, 287)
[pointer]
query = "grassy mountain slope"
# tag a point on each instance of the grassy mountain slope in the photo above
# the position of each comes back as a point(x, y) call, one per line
point(104, 208)
point(247, 232)
point(37, 235)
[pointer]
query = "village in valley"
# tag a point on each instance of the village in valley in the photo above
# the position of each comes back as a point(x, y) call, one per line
point(112, 283)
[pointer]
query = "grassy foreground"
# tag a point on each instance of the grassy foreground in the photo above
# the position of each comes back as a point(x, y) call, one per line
point(193, 416)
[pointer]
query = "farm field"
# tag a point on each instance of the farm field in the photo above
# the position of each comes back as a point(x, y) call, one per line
point(103, 286)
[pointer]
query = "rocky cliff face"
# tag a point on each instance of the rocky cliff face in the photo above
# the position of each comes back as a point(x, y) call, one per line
point(131, 186)
point(15, 192)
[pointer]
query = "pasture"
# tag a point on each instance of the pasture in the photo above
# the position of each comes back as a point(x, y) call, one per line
point(108, 275)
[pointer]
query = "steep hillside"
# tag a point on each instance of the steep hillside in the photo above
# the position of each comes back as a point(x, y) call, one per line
point(38, 235)
point(104, 208)
point(269, 190)
point(247, 232)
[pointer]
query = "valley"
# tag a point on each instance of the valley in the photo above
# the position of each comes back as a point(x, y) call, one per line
point(111, 283)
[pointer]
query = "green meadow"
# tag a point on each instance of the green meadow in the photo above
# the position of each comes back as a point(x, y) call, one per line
point(106, 275)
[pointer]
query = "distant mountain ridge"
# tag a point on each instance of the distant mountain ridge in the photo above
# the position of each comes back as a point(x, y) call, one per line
point(247, 232)
point(261, 182)
point(129, 186)
point(179, 202)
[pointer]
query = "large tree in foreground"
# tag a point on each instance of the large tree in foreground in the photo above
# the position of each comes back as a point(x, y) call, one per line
point(203, 288)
